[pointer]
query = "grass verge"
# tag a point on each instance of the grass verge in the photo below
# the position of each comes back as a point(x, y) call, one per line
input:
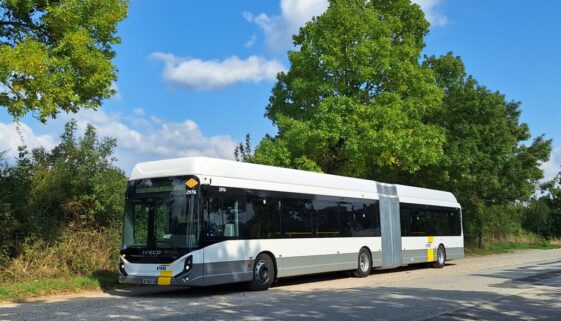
point(510, 247)
point(49, 286)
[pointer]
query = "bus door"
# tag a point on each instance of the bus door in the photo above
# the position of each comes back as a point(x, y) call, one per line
point(390, 225)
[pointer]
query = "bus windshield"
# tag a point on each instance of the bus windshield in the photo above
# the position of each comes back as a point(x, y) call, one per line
point(161, 214)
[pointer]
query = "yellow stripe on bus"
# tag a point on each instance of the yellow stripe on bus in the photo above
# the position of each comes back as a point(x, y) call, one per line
point(167, 274)
point(430, 255)
point(164, 281)
point(430, 250)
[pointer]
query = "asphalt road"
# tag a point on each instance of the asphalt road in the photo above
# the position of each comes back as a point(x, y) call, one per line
point(516, 286)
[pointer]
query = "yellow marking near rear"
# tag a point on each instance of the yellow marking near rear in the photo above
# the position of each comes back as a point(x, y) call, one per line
point(430, 250)
point(430, 255)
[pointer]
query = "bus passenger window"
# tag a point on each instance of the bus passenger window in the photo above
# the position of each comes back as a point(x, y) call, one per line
point(296, 218)
point(263, 217)
point(327, 219)
point(224, 219)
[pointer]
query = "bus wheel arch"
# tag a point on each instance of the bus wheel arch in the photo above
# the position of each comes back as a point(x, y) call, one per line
point(440, 261)
point(262, 278)
point(364, 263)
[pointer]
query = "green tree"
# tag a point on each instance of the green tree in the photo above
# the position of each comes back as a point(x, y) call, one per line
point(543, 215)
point(487, 161)
point(50, 199)
point(76, 183)
point(56, 55)
point(244, 152)
point(16, 216)
point(356, 101)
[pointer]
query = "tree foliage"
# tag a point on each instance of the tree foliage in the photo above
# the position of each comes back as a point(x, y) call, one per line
point(543, 214)
point(243, 152)
point(75, 186)
point(56, 55)
point(486, 162)
point(356, 99)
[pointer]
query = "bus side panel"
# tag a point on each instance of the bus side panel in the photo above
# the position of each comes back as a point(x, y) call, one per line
point(454, 246)
point(418, 249)
point(232, 261)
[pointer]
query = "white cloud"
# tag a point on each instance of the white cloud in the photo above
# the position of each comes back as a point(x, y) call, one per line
point(553, 166)
point(430, 8)
point(158, 139)
point(10, 138)
point(214, 74)
point(278, 30)
point(139, 112)
point(250, 42)
point(152, 139)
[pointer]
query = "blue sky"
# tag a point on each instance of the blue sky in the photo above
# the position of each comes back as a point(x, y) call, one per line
point(195, 76)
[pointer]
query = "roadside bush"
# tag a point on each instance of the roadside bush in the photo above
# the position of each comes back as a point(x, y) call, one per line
point(60, 210)
point(74, 253)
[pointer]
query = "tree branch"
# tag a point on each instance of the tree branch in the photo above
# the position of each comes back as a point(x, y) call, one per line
point(22, 25)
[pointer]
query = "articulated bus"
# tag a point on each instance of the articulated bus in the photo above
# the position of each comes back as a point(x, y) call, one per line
point(200, 221)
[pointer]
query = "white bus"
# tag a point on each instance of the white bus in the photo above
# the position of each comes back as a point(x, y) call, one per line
point(202, 221)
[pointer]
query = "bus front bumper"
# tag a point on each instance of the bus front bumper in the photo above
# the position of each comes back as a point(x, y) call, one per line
point(151, 280)
point(191, 278)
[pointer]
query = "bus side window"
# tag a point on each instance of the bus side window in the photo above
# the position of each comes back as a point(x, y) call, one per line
point(263, 217)
point(296, 218)
point(224, 218)
point(327, 219)
point(345, 213)
point(374, 208)
point(362, 220)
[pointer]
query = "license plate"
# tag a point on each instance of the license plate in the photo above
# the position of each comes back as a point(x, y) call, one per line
point(148, 281)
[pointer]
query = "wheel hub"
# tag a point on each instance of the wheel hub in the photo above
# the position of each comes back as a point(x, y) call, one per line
point(364, 264)
point(261, 272)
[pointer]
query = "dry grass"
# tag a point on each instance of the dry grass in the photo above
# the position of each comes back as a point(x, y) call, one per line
point(74, 253)
point(520, 238)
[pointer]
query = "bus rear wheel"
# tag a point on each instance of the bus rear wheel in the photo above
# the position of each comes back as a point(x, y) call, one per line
point(440, 257)
point(263, 273)
point(364, 264)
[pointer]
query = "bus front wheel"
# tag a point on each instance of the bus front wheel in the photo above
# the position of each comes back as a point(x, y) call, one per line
point(364, 264)
point(263, 273)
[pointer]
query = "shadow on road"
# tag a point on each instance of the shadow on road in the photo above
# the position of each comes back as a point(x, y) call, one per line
point(384, 303)
point(525, 277)
point(174, 292)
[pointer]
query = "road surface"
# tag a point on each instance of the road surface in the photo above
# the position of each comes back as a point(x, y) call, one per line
point(515, 286)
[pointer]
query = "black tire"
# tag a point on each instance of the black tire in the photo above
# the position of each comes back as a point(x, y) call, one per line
point(440, 258)
point(263, 273)
point(364, 264)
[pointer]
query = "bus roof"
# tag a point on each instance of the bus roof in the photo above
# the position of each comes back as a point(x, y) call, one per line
point(215, 167)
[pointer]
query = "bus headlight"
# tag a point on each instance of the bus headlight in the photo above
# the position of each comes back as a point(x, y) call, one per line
point(122, 268)
point(188, 263)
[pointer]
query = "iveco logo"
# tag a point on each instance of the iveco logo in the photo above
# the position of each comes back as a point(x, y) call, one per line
point(151, 252)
